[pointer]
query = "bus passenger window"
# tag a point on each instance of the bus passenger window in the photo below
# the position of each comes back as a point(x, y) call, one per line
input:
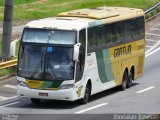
point(119, 32)
point(141, 27)
point(128, 32)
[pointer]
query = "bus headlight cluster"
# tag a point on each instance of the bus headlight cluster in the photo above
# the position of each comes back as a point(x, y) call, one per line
point(23, 84)
point(66, 86)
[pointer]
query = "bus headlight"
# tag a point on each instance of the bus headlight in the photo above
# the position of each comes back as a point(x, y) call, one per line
point(66, 86)
point(23, 84)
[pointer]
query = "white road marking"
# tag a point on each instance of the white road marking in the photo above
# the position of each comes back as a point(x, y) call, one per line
point(151, 40)
point(8, 98)
point(9, 104)
point(152, 48)
point(154, 29)
point(148, 54)
point(3, 98)
point(152, 34)
point(148, 46)
point(144, 90)
point(10, 86)
point(156, 25)
point(91, 108)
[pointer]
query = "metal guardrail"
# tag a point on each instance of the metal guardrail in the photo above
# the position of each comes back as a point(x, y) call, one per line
point(152, 8)
point(8, 64)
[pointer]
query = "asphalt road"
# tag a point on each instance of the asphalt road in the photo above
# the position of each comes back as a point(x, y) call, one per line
point(142, 98)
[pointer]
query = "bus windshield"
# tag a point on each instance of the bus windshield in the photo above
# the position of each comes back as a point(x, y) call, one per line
point(46, 62)
point(49, 36)
point(46, 54)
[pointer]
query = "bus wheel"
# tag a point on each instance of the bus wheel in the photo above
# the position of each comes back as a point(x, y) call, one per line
point(124, 83)
point(35, 101)
point(86, 95)
point(129, 82)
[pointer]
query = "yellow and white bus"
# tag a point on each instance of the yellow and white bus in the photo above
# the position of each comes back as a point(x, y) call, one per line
point(80, 53)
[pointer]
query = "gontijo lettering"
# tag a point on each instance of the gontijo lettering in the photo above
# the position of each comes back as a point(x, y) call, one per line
point(125, 50)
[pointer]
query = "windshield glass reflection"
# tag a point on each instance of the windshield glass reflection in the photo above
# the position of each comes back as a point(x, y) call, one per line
point(42, 62)
point(59, 64)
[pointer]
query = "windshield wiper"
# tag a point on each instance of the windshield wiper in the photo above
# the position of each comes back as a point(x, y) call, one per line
point(36, 69)
point(52, 69)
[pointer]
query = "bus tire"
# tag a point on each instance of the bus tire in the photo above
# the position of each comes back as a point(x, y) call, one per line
point(35, 101)
point(129, 82)
point(86, 94)
point(124, 82)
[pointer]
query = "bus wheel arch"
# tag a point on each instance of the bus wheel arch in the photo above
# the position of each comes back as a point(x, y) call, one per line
point(90, 85)
point(87, 92)
point(132, 70)
point(124, 79)
point(131, 77)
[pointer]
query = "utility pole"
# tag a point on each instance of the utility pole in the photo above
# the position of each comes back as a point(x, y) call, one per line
point(7, 29)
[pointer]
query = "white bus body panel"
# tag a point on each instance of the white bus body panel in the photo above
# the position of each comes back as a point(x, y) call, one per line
point(60, 94)
point(91, 72)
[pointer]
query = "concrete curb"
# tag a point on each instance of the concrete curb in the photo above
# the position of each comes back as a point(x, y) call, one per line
point(9, 101)
point(7, 77)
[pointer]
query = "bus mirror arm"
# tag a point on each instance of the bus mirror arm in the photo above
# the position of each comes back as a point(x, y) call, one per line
point(76, 51)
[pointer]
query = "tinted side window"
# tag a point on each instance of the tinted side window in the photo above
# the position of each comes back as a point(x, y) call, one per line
point(113, 35)
point(119, 27)
point(128, 31)
point(81, 63)
point(138, 28)
point(108, 34)
point(101, 37)
point(82, 40)
point(141, 27)
point(135, 29)
point(91, 39)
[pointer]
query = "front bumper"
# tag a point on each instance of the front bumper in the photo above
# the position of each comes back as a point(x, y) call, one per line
point(63, 94)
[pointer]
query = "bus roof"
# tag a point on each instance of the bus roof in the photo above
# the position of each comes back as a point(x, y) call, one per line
point(102, 12)
point(78, 19)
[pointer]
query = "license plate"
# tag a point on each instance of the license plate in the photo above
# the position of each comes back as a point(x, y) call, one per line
point(43, 94)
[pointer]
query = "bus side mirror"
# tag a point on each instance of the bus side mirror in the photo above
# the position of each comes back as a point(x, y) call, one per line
point(76, 51)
